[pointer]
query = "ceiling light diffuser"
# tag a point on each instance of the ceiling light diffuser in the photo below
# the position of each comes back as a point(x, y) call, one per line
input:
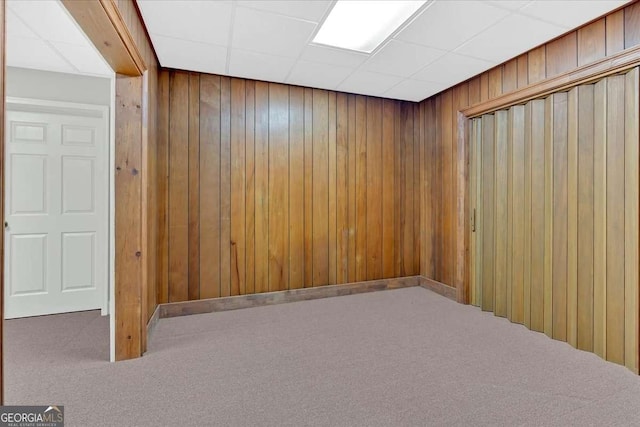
point(362, 25)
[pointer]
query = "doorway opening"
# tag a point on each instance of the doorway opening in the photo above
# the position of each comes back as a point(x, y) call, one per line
point(59, 216)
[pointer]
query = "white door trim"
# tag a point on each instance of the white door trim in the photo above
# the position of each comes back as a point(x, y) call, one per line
point(96, 111)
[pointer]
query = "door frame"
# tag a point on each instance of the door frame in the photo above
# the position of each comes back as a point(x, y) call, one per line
point(105, 111)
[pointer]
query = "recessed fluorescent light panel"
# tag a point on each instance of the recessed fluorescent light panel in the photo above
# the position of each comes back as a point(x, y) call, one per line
point(362, 25)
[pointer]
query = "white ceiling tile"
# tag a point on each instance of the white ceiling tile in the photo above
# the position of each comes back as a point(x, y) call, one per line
point(49, 20)
point(269, 33)
point(509, 4)
point(569, 14)
point(448, 24)
point(414, 90)
point(85, 58)
point(201, 21)
point(335, 56)
point(402, 59)
point(17, 28)
point(366, 82)
point(496, 44)
point(310, 10)
point(452, 69)
point(188, 55)
point(32, 53)
point(314, 74)
point(259, 66)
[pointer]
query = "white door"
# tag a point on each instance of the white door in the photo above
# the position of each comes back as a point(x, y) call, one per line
point(56, 227)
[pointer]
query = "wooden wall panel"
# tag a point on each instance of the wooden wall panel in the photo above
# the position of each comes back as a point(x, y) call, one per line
point(291, 187)
point(592, 42)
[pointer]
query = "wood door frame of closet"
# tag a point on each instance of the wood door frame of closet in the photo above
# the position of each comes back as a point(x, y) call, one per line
point(613, 64)
point(105, 27)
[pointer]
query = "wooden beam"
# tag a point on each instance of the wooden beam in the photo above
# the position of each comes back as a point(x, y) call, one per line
point(102, 23)
point(128, 187)
point(607, 66)
point(212, 305)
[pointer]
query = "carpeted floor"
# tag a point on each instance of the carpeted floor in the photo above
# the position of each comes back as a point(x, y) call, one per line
point(406, 357)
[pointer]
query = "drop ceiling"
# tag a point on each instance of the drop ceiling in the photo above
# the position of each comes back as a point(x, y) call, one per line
point(42, 35)
point(444, 43)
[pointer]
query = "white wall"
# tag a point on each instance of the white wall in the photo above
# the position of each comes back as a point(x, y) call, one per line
point(52, 86)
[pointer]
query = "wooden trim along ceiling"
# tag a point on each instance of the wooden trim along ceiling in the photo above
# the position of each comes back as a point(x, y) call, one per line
point(103, 24)
point(613, 64)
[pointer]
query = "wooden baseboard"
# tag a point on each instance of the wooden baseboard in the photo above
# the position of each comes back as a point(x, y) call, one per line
point(439, 288)
point(185, 308)
point(153, 322)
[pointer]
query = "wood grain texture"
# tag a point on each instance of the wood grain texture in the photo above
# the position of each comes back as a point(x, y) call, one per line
point(600, 220)
point(238, 187)
point(250, 301)
point(277, 187)
point(585, 223)
point(631, 218)
point(561, 55)
point(548, 214)
point(194, 186)
point(162, 291)
point(209, 186)
point(559, 208)
point(179, 188)
point(572, 217)
point(632, 25)
point(615, 219)
point(592, 42)
point(128, 192)
point(614, 32)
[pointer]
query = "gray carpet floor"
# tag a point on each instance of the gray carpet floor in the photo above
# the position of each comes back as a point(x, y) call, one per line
point(406, 357)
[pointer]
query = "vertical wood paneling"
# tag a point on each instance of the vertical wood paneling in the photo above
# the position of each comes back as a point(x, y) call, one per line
point(308, 187)
point(351, 187)
point(296, 187)
point(374, 188)
point(408, 197)
point(600, 220)
point(572, 217)
point(488, 218)
point(537, 66)
point(592, 42)
point(342, 185)
point(447, 186)
point(561, 55)
point(225, 186)
point(333, 226)
point(510, 76)
point(517, 204)
point(361, 189)
point(194, 186)
point(250, 187)
point(495, 82)
point(279, 187)
point(238, 187)
point(585, 222)
point(560, 216)
point(262, 188)
point(631, 194)
point(163, 188)
point(614, 32)
point(548, 214)
point(631, 25)
point(500, 209)
point(538, 214)
point(615, 219)
point(523, 71)
point(209, 186)
point(527, 206)
point(388, 188)
point(179, 188)
point(321, 188)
